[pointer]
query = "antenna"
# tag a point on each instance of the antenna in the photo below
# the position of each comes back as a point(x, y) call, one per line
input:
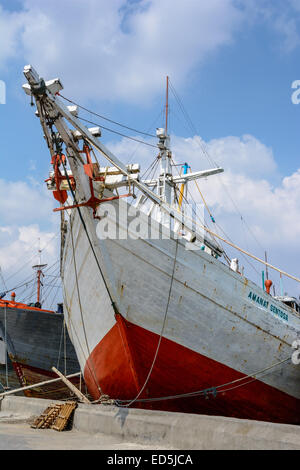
point(167, 105)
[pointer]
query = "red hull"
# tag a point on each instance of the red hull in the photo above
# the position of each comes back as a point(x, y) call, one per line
point(121, 362)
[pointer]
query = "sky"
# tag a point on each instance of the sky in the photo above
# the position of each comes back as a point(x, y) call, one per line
point(231, 63)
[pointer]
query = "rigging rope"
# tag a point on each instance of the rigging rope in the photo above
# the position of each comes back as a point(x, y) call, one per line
point(150, 127)
point(17, 287)
point(197, 215)
point(116, 132)
point(73, 329)
point(54, 297)
point(2, 278)
point(105, 118)
point(5, 340)
point(150, 167)
point(250, 255)
point(32, 257)
point(80, 308)
point(213, 234)
point(51, 287)
point(210, 159)
point(100, 270)
point(205, 392)
point(220, 228)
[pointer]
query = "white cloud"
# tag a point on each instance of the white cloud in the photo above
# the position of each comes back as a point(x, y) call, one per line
point(118, 49)
point(19, 253)
point(22, 246)
point(21, 203)
point(27, 225)
point(121, 50)
point(282, 17)
point(244, 154)
point(251, 187)
point(288, 28)
point(255, 208)
point(10, 27)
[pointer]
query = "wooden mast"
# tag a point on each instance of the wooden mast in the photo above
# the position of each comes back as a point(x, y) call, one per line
point(39, 272)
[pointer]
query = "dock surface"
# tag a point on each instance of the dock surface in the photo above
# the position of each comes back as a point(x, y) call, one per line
point(20, 436)
point(108, 427)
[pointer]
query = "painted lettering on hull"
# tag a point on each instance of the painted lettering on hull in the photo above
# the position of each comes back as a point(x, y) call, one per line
point(268, 306)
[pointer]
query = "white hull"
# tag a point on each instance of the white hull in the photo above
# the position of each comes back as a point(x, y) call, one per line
point(210, 310)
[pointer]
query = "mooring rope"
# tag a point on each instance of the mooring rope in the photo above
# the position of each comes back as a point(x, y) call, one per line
point(208, 391)
point(161, 333)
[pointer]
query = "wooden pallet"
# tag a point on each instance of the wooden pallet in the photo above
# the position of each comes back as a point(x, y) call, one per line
point(47, 418)
point(64, 415)
point(55, 416)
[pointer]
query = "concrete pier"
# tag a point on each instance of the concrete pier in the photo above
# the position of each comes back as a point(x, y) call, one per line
point(118, 428)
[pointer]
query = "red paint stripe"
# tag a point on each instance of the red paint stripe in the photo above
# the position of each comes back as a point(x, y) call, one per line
point(11, 304)
point(122, 360)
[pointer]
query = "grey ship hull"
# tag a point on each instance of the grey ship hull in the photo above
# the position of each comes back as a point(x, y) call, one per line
point(36, 341)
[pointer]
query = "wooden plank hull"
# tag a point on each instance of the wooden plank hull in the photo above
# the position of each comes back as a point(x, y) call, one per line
point(53, 391)
point(35, 343)
point(215, 315)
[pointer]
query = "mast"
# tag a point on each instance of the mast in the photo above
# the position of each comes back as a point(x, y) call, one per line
point(167, 104)
point(165, 175)
point(39, 274)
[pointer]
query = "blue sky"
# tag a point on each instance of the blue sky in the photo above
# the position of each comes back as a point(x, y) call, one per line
point(243, 87)
point(231, 62)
